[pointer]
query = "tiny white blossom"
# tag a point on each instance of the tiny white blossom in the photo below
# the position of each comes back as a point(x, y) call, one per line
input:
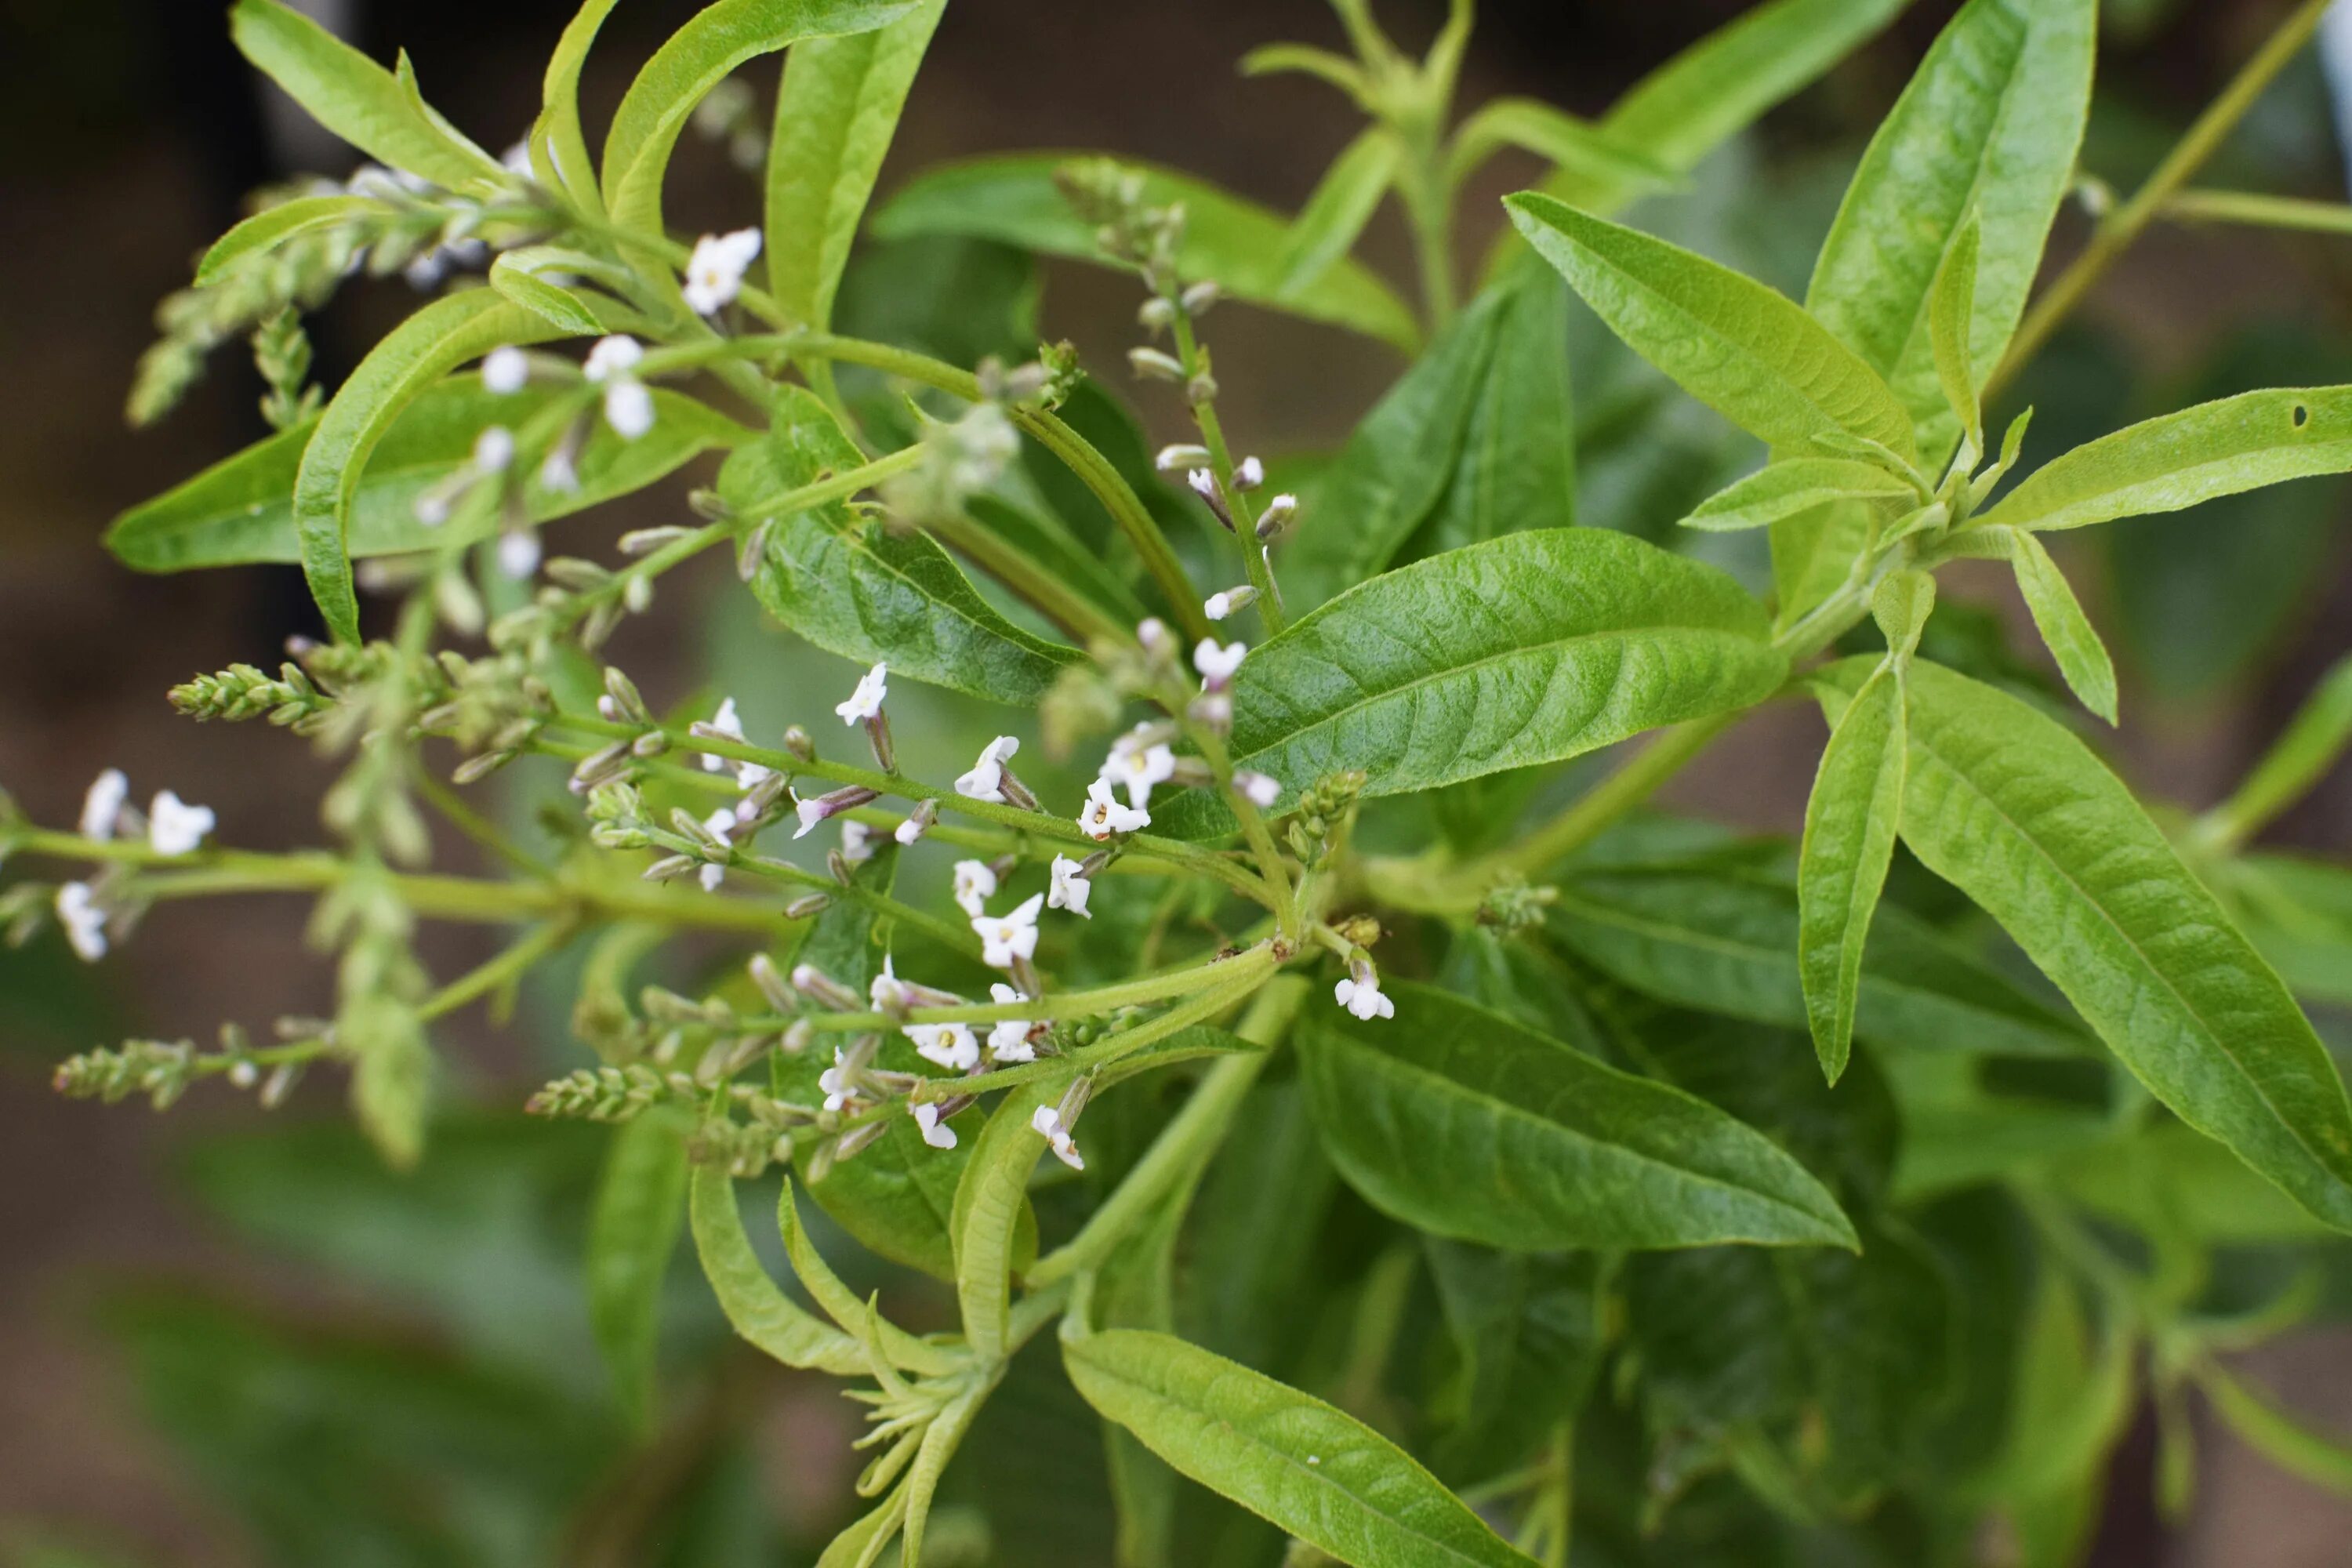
point(1009, 1040)
point(101, 806)
point(1363, 998)
point(1048, 1124)
point(519, 554)
point(628, 409)
point(714, 274)
point(935, 1133)
point(1071, 888)
point(1261, 790)
point(494, 450)
point(1140, 768)
point(856, 841)
point(889, 993)
point(953, 1045)
point(718, 823)
point(730, 723)
point(558, 474)
point(866, 700)
point(985, 781)
point(1103, 815)
point(1249, 474)
point(911, 830)
point(1009, 936)
point(834, 1081)
point(84, 921)
point(515, 160)
point(506, 371)
point(1216, 664)
point(175, 828)
point(1203, 483)
point(813, 811)
point(975, 884)
point(1151, 632)
point(613, 357)
point(1230, 602)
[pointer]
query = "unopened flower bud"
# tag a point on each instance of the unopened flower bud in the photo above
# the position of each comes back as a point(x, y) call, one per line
point(1154, 365)
point(808, 906)
point(1198, 299)
point(1156, 316)
point(1181, 456)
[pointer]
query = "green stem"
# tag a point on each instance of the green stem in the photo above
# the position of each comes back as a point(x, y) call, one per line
point(1237, 504)
point(507, 966)
point(1057, 1004)
point(2116, 231)
point(2260, 211)
point(1019, 570)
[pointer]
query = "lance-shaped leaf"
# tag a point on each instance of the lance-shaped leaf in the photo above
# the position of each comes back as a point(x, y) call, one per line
point(633, 1230)
point(1951, 326)
point(1576, 147)
point(835, 113)
point(2058, 616)
point(1744, 349)
point(748, 1294)
point(413, 355)
point(2298, 759)
point(1526, 649)
point(2281, 1436)
point(2218, 448)
point(1726, 943)
point(860, 588)
point(1014, 199)
point(989, 1203)
point(1783, 489)
point(241, 509)
point(1848, 845)
point(557, 306)
point(696, 58)
point(1988, 127)
point(357, 98)
point(1343, 202)
point(844, 1307)
point(1315, 1471)
point(1516, 466)
point(1529, 1334)
point(2007, 806)
point(557, 137)
point(1462, 1123)
point(273, 227)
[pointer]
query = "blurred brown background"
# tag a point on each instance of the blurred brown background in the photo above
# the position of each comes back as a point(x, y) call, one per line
point(128, 130)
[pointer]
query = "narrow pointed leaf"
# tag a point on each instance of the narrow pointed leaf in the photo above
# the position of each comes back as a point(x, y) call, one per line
point(640, 1206)
point(2007, 806)
point(557, 306)
point(1780, 490)
point(558, 131)
point(1011, 198)
point(696, 58)
point(748, 1294)
point(1343, 202)
point(1517, 467)
point(989, 1203)
point(842, 1305)
point(1574, 146)
point(1988, 127)
point(273, 227)
point(835, 114)
point(357, 98)
point(1848, 845)
point(1740, 348)
point(1951, 320)
point(2280, 1436)
point(1315, 1472)
point(2298, 759)
point(1461, 1122)
point(2058, 616)
point(2217, 449)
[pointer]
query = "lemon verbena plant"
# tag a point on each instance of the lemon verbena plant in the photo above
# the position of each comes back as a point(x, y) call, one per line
point(1413, 1139)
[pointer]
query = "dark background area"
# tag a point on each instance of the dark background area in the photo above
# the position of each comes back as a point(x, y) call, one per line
point(129, 133)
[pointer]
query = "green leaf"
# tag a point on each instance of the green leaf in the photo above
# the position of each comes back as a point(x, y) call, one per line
point(696, 58)
point(558, 129)
point(1780, 490)
point(2299, 757)
point(1952, 306)
point(858, 587)
point(414, 355)
point(1342, 202)
point(989, 1203)
point(1745, 351)
point(2218, 448)
point(357, 100)
point(761, 1312)
point(2277, 1434)
point(1049, 541)
point(1314, 1472)
point(1516, 466)
point(1528, 648)
point(835, 114)
point(1013, 198)
point(1528, 1336)
point(632, 1231)
point(241, 509)
point(1728, 943)
point(558, 307)
point(2058, 616)
point(842, 1305)
point(1576, 147)
point(1987, 128)
point(1849, 844)
point(2004, 803)
point(1462, 1123)
point(273, 227)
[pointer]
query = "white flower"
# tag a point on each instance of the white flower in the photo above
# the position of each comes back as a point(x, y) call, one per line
point(1010, 936)
point(912, 829)
point(1203, 483)
point(1009, 1040)
point(1278, 511)
point(866, 700)
point(1138, 768)
point(519, 554)
point(856, 841)
point(1048, 1124)
point(719, 824)
point(834, 1081)
point(506, 371)
point(1216, 664)
point(1171, 458)
point(730, 723)
point(494, 450)
point(812, 810)
point(935, 1133)
point(889, 993)
point(1103, 815)
point(628, 409)
point(175, 828)
point(613, 357)
point(953, 1045)
point(515, 160)
point(1363, 998)
point(1249, 474)
point(1232, 601)
point(986, 779)
point(559, 475)
point(1261, 790)
point(975, 884)
point(714, 274)
point(102, 807)
point(1070, 888)
point(84, 921)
